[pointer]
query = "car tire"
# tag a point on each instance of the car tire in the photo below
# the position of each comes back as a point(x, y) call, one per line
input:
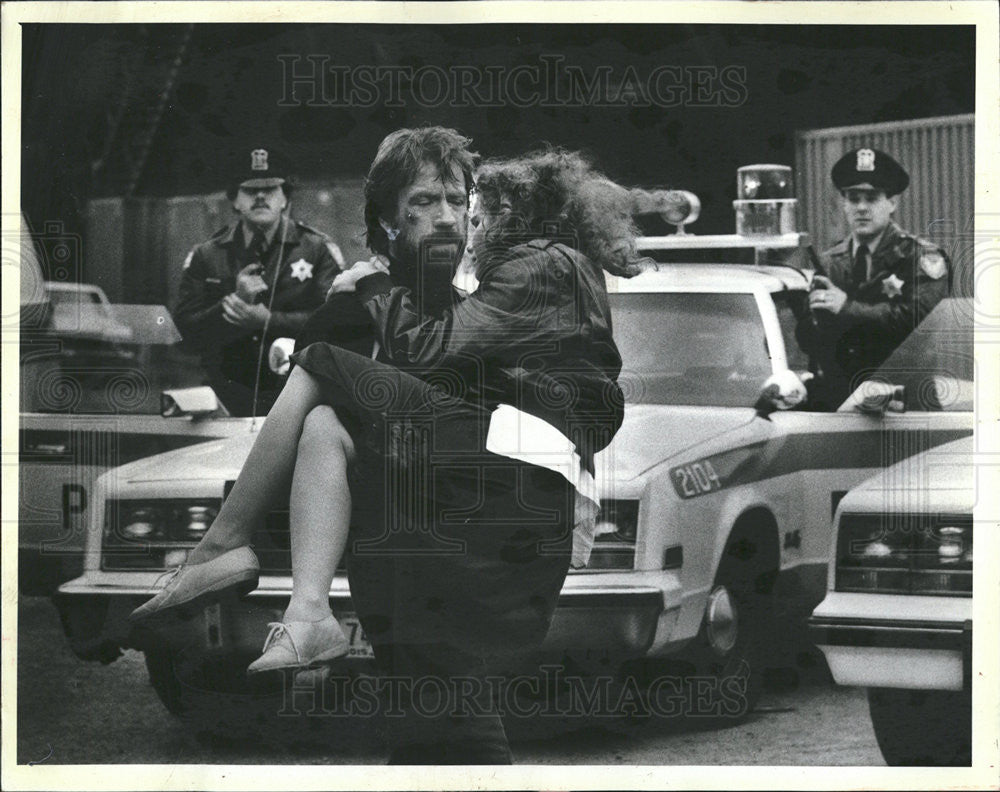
point(163, 678)
point(726, 662)
point(922, 727)
point(209, 693)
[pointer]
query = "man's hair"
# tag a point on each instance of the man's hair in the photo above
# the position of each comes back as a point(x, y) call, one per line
point(397, 163)
point(558, 193)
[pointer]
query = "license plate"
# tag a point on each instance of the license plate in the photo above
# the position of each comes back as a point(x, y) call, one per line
point(356, 635)
point(213, 626)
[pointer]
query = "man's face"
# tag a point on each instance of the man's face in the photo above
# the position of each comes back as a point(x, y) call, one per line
point(431, 217)
point(261, 207)
point(868, 211)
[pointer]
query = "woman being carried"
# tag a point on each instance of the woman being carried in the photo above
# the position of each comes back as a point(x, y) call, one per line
point(478, 487)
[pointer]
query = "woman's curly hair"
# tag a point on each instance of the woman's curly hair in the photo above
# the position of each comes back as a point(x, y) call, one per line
point(557, 194)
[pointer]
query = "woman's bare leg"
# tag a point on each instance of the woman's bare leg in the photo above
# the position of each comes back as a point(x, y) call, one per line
point(319, 513)
point(267, 472)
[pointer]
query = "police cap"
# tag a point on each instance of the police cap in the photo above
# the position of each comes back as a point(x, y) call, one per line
point(870, 166)
point(260, 166)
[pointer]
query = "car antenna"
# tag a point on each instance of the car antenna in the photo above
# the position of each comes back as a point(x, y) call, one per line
point(270, 301)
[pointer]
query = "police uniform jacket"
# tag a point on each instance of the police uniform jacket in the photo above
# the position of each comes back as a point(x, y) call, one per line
point(908, 277)
point(308, 260)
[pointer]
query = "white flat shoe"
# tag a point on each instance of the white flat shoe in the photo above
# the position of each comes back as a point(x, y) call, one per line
point(192, 585)
point(299, 644)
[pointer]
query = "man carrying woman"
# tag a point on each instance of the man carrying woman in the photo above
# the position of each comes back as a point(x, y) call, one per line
point(475, 445)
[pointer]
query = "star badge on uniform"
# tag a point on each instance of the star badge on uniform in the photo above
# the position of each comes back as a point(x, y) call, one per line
point(932, 263)
point(892, 286)
point(302, 270)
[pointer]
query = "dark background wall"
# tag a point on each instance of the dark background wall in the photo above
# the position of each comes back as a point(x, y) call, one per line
point(154, 110)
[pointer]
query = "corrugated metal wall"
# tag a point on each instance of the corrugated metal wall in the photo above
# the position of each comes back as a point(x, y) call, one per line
point(135, 247)
point(938, 153)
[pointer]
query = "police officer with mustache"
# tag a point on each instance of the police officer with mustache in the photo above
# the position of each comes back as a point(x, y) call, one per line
point(256, 280)
point(872, 288)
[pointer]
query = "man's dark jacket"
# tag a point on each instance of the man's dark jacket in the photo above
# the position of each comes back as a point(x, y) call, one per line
point(536, 334)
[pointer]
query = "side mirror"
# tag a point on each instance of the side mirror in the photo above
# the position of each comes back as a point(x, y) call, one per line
point(783, 390)
point(875, 397)
point(200, 402)
point(279, 356)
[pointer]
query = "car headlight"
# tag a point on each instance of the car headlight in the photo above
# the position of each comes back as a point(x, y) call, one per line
point(616, 528)
point(154, 533)
point(905, 554)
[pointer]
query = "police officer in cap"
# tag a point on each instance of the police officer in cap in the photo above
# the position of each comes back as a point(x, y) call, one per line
point(252, 282)
point(872, 288)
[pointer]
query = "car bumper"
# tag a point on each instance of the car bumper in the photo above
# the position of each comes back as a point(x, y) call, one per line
point(607, 613)
point(893, 649)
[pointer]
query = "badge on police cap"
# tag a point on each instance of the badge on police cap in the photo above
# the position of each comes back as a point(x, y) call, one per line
point(871, 167)
point(258, 160)
point(933, 265)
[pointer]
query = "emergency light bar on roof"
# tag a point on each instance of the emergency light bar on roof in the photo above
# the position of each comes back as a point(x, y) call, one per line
point(763, 247)
point(765, 216)
point(715, 241)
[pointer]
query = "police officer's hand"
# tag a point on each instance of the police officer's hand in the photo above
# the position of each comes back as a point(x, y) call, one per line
point(249, 283)
point(243, 314)
point(825, 296)
point(347, 280)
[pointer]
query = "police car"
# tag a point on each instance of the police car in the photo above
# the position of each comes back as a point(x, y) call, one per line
point(898, 616)
point(92, 377)
point(717, 495)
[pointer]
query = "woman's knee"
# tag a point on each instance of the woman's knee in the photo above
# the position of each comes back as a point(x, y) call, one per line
point(322, 432)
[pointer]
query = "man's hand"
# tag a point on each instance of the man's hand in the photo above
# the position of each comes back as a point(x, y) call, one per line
point(825, 296)
point(243, 314)
point(249, 283)
point(348, 279)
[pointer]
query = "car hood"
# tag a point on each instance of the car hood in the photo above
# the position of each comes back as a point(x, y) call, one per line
point(652, 433)
point(649, 435)
point(941, 479)
point(216, 459)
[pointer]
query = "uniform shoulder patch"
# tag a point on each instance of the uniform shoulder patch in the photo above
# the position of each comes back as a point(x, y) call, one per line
point(932, 263)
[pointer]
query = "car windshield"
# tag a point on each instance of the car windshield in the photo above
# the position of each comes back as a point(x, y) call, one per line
point(103, 359)
point(690, 348)
point(935, 363)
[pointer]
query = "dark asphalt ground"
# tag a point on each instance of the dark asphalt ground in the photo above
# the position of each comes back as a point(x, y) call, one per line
point(71, 711)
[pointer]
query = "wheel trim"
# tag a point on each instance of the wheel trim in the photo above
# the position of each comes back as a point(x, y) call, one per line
point(721, 621)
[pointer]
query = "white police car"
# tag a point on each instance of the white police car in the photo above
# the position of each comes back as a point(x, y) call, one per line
point(92, 375)
point(717, 506)
point(898, 616)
